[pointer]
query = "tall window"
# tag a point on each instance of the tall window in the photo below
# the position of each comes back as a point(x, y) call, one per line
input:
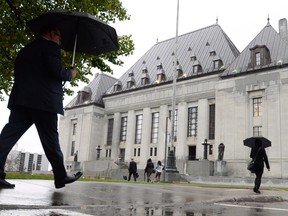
point(138, 132)
point(212, 121)
point(258, 59)
point(39, 161)
point(155, 127)
point(30, 163)
point(257, 131)
point(108, 153)
point(153, 150)
point(74, 127)
point(257, 106)
point(72, 150)
point(110, 131)
point(123, 130)
point(192, 121)
point(137, 152)
point(175, 123)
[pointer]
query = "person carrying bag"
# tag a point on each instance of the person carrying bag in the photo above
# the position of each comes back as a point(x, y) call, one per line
point(259, 156)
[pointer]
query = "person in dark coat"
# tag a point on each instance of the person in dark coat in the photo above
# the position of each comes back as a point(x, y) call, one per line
point(132, 169)
point(259, 154)
point(149, 169)
point(37, 98)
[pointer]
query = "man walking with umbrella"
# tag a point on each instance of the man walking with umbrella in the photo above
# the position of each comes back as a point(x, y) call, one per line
point(258, 154)
point(37, 98)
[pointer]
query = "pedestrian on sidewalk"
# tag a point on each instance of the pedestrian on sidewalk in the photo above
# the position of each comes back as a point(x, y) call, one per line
point(258, 154)
point(37, 98)
point(132, 168)
point(149, 169)
point(159, 168)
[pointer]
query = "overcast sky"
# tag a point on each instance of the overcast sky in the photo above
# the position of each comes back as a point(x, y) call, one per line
point(153, 20)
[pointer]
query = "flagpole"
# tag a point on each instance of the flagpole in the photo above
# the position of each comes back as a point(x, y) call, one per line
point(171, 170)
point(174, 80)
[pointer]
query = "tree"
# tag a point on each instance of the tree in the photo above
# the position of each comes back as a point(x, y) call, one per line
point(14, 34)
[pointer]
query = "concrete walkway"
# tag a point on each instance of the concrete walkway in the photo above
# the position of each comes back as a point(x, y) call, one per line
point(247, 181)
point(39, 197)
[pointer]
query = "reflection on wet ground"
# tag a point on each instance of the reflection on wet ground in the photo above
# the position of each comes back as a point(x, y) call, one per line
point(130, 199)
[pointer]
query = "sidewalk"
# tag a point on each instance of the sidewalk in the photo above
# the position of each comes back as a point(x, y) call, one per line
point(248, 181)
point(39, 197)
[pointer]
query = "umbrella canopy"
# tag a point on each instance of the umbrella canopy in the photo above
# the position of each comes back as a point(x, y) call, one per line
point(80, 32)
point(250, 142)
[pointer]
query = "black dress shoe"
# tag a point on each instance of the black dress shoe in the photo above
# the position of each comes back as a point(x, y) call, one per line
point(69, 179)
point(5, 184)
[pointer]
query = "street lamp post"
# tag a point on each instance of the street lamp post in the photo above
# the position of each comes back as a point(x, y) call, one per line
point(98, 149)
point(205, 144)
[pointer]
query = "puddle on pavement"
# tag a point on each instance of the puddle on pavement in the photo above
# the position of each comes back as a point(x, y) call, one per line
point(41, 212)
point(138, 212)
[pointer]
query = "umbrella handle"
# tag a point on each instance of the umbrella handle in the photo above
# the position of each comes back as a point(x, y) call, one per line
point(74, 50)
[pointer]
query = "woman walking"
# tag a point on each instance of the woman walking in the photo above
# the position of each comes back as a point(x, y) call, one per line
point(258, 154)
point(149, 169)
point(159, 168)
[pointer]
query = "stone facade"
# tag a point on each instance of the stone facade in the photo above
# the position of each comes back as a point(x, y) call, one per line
point(225, 101)
point(235, 121)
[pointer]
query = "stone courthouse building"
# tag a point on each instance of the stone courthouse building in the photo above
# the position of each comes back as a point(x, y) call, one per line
point(222, 95)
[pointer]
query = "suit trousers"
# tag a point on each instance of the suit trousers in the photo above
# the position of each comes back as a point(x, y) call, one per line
point(20, 120)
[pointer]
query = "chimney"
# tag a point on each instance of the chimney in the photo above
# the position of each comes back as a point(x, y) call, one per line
point(283, 29)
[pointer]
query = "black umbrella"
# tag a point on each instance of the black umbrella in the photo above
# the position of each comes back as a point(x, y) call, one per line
point(250, 142)
point(80, 32)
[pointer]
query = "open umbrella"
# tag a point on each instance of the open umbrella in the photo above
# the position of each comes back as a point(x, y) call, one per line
point(80, 32)
point(250, 142)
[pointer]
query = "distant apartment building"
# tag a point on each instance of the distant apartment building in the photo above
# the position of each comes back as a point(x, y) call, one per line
point(18, 161)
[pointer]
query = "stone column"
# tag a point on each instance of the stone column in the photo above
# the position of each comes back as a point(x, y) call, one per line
point(146, 135)
point(130, 135)
point(163, 115)
point(182, 149)
point(116, 137)
point(203, 125)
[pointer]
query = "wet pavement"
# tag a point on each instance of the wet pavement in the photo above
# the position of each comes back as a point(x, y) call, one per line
point(39, 197)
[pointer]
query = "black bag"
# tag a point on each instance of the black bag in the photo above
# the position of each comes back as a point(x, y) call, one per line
point(136, 175)
point(125, 177)
point(251, 166)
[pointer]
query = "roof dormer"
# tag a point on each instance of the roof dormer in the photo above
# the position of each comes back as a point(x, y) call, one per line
point(217, 62)
point(131, 81)
point(179, 70)
point(197, 68)
point(145, 76)
point(160, 76)
point(117, 86)
point(84, 96)
point(259, 56)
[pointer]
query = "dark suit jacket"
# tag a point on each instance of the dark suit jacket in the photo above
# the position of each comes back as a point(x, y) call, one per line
point(38, 77)
point(132, 167)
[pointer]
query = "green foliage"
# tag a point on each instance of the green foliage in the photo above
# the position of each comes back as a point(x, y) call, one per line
point(14, 34)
